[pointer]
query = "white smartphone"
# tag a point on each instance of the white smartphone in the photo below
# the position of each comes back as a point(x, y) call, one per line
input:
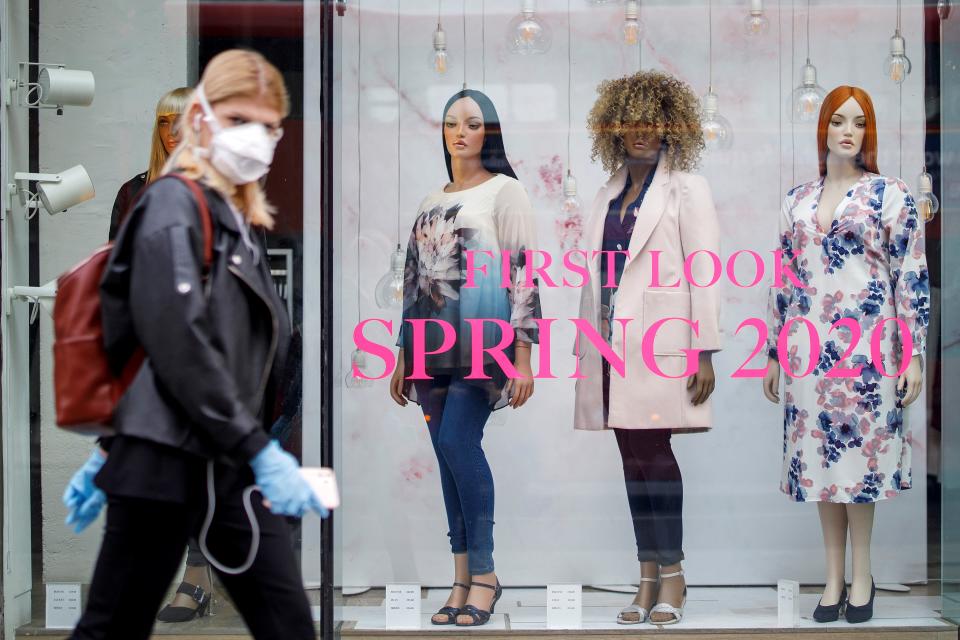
point(323, 481)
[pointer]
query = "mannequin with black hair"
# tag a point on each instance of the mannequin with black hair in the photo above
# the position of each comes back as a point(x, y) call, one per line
point(483, 209)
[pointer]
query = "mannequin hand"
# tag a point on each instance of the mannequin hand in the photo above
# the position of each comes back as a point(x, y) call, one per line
point(521, 387)
point(396, 381)
point(911, 382)
point(771, 381)
point(286, 492)
point(82, 499)
point(703, 381)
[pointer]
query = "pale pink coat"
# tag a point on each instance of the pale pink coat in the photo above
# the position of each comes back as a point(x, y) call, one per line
point(677, 217)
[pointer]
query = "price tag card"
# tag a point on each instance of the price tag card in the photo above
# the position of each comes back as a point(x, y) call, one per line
point(788, 603)
point(63, 605)
point(564, 606)
point(403, 606)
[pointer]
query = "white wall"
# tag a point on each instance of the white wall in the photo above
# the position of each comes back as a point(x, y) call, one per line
point(561, 510)
point(137, 50)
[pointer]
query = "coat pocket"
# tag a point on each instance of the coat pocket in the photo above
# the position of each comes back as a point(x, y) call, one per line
point(672, 336)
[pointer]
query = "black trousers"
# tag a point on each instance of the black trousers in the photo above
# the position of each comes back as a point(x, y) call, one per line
point(654, 492)
point(141, 551)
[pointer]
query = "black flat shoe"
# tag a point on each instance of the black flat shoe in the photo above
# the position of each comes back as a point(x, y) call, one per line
point(856, 615)
point(479, 616)
point(184, 614)
point(450, 612)
point(831, 613)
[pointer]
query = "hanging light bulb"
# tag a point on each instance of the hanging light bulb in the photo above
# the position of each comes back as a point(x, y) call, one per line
point(927, 203)
point(527, 35)
point(389, 291)
point(570, 221)
point(897, 65)
point(439, 59)
point(756, 24)
point(358, 364)
point(631, 23)
point(806, 99)
point(717, 132)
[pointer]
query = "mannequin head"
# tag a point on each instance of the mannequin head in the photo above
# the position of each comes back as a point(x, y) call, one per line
point(848, 128)
point(166, 132)
point(470, 118)
point(660, 111)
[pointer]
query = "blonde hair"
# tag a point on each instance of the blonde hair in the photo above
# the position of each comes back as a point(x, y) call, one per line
point(171, 102)
point(650, 98)
point(236, 73)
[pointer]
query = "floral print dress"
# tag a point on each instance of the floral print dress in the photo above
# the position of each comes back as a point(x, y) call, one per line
point(845, 439)
point(493, 220)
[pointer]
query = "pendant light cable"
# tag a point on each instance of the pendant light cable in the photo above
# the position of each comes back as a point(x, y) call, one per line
point(793, 83)
point(399, 112)
point(464, 44)
point(808, 30)
point(900, 107)
point(359, 162)
point(779, 93)
point(639, 44)
point(569, 82)
point(483, 43)
point(710, 47)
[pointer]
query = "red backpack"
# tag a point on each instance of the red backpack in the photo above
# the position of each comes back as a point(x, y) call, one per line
point(85, 390)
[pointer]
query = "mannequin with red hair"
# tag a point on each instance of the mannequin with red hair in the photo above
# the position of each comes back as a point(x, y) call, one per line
point(855, 243)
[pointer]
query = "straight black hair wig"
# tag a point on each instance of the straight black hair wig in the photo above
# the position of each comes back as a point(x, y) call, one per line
point(492, 155)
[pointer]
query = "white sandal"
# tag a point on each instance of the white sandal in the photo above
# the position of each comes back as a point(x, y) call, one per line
point(663, 607)
point(635, 608)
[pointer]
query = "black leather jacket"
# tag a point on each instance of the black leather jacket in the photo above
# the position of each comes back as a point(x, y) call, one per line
point(213, 346)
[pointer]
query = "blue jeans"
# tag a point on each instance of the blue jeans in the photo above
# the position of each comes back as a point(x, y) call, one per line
point(456, 413)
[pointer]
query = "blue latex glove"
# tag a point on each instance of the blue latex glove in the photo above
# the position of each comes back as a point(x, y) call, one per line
point(82, 499)
point(278, 476)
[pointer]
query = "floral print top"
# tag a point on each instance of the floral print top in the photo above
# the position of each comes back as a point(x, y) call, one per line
point(493, 220)
point(845, 438)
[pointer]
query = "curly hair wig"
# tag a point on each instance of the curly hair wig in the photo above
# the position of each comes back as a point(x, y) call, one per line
point(646, 99)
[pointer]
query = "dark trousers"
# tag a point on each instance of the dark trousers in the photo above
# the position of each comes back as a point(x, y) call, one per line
point(456, 412)
point(654, 492)
point(141, 551)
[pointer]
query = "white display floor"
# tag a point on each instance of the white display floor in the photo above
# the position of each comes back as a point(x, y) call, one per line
point(708, 608)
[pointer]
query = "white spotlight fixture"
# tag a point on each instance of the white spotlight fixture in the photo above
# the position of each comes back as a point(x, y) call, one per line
point(756, 24)
point(526, 34)
point(37, 296)
point(56, 87)
point(56, 192)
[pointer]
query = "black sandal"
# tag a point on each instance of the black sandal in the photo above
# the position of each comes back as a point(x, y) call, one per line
point(450, 612)
point(479, 616)
point(184, 614)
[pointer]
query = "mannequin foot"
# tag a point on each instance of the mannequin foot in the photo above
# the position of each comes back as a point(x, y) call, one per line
point(860, 590)
point(672, 592)
point(480, 597)
point(458, 597)
point(646, 594)
point(832, 592)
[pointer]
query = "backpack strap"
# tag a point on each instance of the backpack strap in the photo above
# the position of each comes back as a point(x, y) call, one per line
point(205, 219)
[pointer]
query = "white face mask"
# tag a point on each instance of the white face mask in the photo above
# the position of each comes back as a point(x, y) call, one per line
point(242, 153)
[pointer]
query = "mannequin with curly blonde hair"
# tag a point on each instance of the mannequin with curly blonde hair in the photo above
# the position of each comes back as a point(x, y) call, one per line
point(647, 220)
